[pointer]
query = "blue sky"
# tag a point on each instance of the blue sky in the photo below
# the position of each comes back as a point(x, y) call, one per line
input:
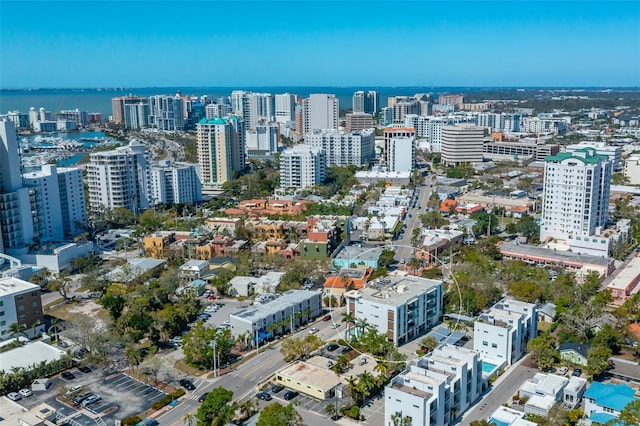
point(327, 43)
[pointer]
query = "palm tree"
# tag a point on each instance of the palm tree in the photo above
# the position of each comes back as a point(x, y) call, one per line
point(414, 263)
point(16, 330)
point(352, 384)
point(361, 324)
point(331, 411)
point(367, 382)
point(56, 327)
point(399, 420)
point(382, 368)
point(190, 419)
point(35, 325)
point(348, 318)
point(246, 408)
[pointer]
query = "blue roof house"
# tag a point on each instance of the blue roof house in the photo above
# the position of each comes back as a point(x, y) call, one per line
point(604, 401)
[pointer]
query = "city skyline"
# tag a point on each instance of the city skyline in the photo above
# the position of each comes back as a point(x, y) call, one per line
point(501, 44)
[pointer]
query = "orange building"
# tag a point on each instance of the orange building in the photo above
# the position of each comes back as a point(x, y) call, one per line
point(347, 279)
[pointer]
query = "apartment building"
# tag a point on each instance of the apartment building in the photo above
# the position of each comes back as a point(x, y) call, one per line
point(20, 303)
point(501, 333)
point(319, 111)
point(285, 108)
point(277, 316)
point(365, 102)
point(136, 115)
point(221, 150)
point(401, 154)
point(632, 169)
point(555, 126)
point(264, 137)
point(174, 183)
point(437, 389)
point(119, 178)
point(393, 133)
point(302, 166)
point(118, 106)
point(343, 149)
point(358, 121)
point(462, 144)
point(166, 112)
point(402, 307)
point(575, 200)
point(611, 152)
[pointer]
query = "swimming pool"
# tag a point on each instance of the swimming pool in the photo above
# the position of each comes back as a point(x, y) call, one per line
point(497, 422)
point(487, 367)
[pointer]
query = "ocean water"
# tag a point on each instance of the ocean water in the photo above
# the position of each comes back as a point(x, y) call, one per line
point(99, 100)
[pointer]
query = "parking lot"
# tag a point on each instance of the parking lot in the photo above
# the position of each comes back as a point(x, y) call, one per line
point(121, 396)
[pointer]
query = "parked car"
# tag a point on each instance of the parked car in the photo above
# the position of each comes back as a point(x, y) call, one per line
point(68, 375)
point(363, 361)
point(577, 372)
point(85, 369)
point(26, 392)
point(91, 400)
point(344, 350)
point(187, 384)
point(264, 396)
point(14, 396)
point(332, 347)
point(276, 388)
point(78, 399)
point(289, 395)
point(563, 370)
point(203, 397)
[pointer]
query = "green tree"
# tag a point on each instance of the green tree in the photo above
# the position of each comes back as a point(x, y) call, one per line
point(629, 416)
point(277, 415)
point(293, 348)
point(598, 360)
point(414, 263)
point(543, 352)
point(16, 329)
point(433, 219)
point(331, 411)
point(386, 258)
point(430, 343)
point(609, 337)
point(525, 291)
point(217, 408)
point(198, 345)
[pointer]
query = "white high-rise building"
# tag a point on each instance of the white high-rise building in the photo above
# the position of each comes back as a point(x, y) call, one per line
point(436, 390)
point(265, 137)
point(221, 149)
point(501, 333)
point(258, 108)
point(341, 148)
point(401, 154)
point(136, 115)
point(302, 166)
point(16, 201)
point(632, 169)
point(59, 195)
point(462, 144)
point(217, 110)
point(613, 153)
point(119, 178)
point(403, 108)
point(175, 183)
point(285, 108)
point(320, 111)
point(166, 112)
point(366, 102)
point(575, 200)
point(237, 101)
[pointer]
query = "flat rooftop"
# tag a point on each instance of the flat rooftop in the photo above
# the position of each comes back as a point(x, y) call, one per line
point(355, 254)
point(12, 285)
point(554, 256)
point(283, 302)
point(395, 290)
point(313, 375)
point(28, 355)
point(626, 276)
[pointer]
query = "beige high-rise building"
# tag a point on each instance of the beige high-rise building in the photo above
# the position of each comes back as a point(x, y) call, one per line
point(462, 144)
point(118, 106)
point(220, 149)
point(358, 121)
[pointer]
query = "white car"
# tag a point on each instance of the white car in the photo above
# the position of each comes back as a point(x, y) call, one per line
point(25, 392)
point(563, 370)
point(313, 330)
point(335, 325)
point(14, 396)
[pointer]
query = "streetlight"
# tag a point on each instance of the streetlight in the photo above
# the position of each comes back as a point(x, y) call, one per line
point(215, 358)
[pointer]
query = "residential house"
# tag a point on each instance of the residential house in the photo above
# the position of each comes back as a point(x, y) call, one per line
point(605, 401)
point(576, 353)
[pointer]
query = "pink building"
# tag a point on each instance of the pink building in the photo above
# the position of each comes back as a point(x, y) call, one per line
point(625, 282)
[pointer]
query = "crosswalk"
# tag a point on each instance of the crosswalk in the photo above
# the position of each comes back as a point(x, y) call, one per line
point(195, 394)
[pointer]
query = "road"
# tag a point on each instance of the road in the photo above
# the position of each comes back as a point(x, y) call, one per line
point(503, 389)
point(404, 250)
point(244, 380)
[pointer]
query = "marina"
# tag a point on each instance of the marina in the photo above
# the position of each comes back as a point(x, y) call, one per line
point(63, 149)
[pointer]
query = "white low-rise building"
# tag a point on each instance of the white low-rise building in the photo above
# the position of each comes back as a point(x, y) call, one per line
point(501, 333)
point(20, 303)
point(437, 389)
point(401, 307)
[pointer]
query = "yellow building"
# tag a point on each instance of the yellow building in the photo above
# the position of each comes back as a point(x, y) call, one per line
point(156, 245)
point(309, 379)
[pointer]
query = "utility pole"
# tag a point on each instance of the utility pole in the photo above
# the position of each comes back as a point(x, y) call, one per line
point(215, 358)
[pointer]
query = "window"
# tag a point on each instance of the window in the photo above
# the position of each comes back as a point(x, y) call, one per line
point(485, 343)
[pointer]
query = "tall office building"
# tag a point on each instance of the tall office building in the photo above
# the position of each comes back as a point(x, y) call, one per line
point(16, 201)
point(462, 144)
point(366, 102)
point(221, 149)
point(136, 115)
point(395, 132)
point(302, 166)
point(358, 121)
point(402, 154)
point(217, 110)
point(320, 111)
point(166, 112)
point(118, 104)
point(343, 149)
point(119, 178)
point(403, 108)
point(265, 137)
point(259, 108)
point(285, 108)
point(174, 183)
point(575, 200)
point(59, 196)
